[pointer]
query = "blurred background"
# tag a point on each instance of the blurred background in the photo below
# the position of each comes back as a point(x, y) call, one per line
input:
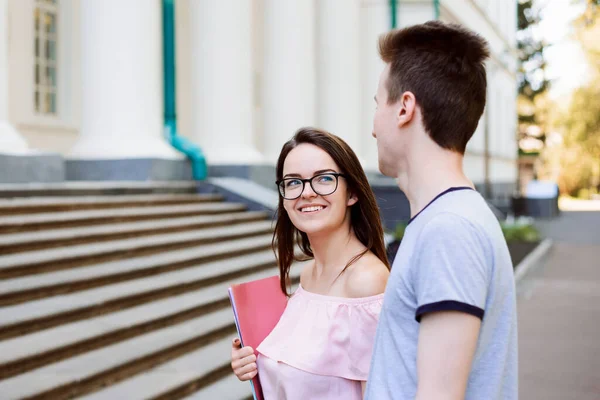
point(90, 82)
point(138, 141)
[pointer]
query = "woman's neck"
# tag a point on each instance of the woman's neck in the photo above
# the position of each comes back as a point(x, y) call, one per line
point(333, 250)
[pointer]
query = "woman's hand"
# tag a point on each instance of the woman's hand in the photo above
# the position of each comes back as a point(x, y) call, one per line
point(243, 361)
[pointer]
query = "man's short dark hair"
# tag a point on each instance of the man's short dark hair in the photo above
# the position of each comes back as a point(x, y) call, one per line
point(443, 66)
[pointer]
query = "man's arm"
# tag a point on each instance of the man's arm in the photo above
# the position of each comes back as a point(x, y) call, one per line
point(447, 343)
point(452, 277)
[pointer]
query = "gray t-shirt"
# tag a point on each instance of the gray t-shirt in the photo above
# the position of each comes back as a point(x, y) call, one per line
point(453, 256)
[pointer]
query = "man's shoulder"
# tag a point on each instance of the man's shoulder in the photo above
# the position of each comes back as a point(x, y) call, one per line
point(451, 225)
point(461, 213)
point(454, 239)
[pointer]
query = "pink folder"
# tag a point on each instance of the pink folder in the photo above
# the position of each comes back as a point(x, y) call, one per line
point(257, 307)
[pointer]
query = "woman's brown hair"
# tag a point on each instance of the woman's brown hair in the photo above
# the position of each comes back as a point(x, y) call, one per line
point(364, 214)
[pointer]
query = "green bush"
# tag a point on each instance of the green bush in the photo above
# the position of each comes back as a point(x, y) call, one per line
point(513, 232)
point(399, 232)
point(584, 194)
point(520, 232)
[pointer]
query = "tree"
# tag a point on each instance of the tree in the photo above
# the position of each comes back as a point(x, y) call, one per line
point(531, 75)
point(586, 30)
point(579, 154)
point(532, 71)
point(592, 7)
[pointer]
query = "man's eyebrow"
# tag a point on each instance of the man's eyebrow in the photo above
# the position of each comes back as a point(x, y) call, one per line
point(321, 171)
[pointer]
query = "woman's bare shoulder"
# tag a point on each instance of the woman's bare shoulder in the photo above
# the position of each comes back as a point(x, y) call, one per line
point(367, 277)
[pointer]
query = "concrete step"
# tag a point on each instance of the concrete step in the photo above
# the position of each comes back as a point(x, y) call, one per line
point(76, 279)
point(26, 223)
point(81, 255)
point(20, 242)
point(80, 368)
point(35, 205)
point(178, 374)
point(97, 188)
point(54, 353)
point(119, 290)
point(31, 351)
point(228, 388)
point(88, 372)
point(219, 383)
point(87, 303)
point(181, 378)
point(215, 274)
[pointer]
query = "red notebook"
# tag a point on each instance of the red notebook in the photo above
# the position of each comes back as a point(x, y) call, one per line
point(257, 307)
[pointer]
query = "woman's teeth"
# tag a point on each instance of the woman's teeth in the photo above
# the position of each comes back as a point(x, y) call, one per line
point(312, 209)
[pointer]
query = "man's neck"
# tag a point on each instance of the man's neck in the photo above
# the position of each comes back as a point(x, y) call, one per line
point(428, 175)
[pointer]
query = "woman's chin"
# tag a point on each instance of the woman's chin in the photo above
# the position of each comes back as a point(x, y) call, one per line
point(313, 229)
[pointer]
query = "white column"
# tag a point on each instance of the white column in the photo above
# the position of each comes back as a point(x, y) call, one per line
point(222, 80)
point(289, 78)
point(11, 141)
point(376, 20)
point(122, 103)
point(412, 13)
point(339, 84)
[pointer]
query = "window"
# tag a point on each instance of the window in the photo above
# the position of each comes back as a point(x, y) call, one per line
point(45, 96)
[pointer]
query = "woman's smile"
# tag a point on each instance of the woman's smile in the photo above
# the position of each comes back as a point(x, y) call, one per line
point(311, 208)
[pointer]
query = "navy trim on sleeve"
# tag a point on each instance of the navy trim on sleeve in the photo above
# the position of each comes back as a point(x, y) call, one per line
point(448, 305)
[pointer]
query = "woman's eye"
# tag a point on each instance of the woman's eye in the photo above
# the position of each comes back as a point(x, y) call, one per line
point(326, 178)
point(292, 183)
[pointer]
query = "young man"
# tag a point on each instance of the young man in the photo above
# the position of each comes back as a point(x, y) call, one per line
point(448, 326)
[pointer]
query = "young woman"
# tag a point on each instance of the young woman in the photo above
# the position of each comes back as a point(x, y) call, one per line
point(321, 347)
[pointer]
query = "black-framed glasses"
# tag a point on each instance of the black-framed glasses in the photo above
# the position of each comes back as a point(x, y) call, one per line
point(322, 184)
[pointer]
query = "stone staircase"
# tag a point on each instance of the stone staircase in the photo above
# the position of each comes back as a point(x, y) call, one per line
point(119, 291)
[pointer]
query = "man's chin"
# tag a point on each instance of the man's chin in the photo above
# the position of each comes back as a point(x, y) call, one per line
point(390, 172)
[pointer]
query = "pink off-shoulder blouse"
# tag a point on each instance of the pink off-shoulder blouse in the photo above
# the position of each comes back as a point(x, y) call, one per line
point(320, 349)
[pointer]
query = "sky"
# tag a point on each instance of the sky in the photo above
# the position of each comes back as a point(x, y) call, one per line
point(566, 61)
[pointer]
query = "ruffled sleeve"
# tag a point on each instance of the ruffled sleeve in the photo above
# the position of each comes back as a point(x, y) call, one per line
point(325, 335)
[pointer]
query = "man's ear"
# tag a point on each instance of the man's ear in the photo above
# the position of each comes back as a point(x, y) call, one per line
point(352, 200)
point(406, 108)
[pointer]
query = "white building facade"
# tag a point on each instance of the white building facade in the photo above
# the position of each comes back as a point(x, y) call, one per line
point(82, 80)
